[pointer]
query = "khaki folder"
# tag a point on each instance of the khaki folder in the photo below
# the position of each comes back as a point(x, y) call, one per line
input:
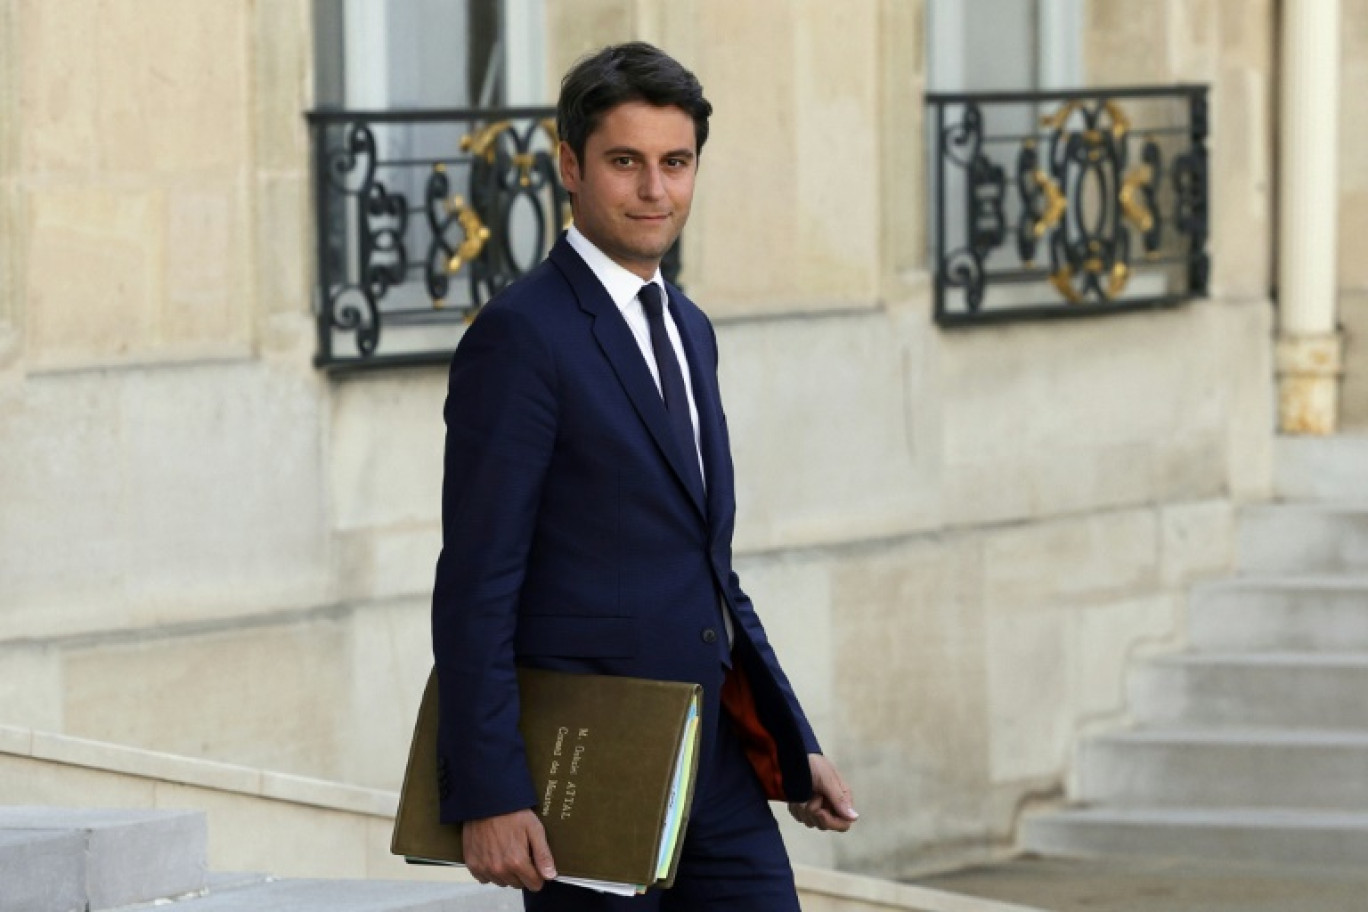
point(602, 752)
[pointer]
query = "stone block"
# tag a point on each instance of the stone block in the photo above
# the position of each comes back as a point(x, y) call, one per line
point(1279, 690)
point(1196, 540)
point(360, 896)
point(1284, 837)
point(1078, 560)
point(373, 481)
point(1280, 614)
point(30, 687)
point(282, 65)
point(207, 277)
point(388, 655)
point(1031, 705)
point(1225, 768)
point(1353, 316)
point(1242, 140)
point(118, 236)
point(1109, 637)
point(289, 840)
point(825, 453)
point(133, 85)
point(284, 256)
point(912, 706)
point(131, 856)
point(1047, 419)
point(42, 870)
point(159, 495)
point(1318, 539)
point(120, 759)
point(783, 81)
point(1123, 49)
point(26, 780)
point(265, 697)
point(389, 561)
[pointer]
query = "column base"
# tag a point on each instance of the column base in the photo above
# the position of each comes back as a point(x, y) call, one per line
point(1309, 369)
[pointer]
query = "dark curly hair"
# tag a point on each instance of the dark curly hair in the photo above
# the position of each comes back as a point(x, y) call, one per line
point(635, 71)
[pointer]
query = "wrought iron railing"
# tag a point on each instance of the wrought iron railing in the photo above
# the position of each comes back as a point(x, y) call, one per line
point(422, 216)
point(1069, 203)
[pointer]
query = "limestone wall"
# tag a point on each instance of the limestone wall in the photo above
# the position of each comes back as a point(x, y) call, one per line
point(1353, 225)
point(956, 538)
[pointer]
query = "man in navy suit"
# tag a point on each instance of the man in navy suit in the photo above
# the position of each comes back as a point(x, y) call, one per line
point(588, 509)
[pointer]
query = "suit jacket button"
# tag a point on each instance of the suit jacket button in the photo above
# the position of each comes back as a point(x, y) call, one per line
point(709, 635)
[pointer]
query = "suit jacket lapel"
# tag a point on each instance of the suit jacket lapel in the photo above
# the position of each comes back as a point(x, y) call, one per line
point(708, 403)
point(620, 347)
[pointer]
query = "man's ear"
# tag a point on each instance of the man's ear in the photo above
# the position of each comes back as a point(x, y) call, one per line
point(569, 167)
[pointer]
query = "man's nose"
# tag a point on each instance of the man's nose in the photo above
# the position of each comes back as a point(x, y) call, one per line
point(652, 183)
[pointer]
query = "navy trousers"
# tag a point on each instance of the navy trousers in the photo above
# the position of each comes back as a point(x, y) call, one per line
point(733, 859)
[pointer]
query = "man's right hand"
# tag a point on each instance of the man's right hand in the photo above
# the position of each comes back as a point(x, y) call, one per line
point(509, 850)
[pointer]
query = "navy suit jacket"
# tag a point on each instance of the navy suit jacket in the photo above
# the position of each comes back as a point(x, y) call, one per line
point(570, 538)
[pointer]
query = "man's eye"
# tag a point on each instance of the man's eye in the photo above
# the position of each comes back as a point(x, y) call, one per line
point(623, 161)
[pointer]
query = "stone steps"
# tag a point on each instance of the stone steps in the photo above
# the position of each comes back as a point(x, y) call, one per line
point(1280, 613)
point(1292, 690)
point(1292, 837)
point(350, 896)
point(1304, 538)
point(1204, 768)
point(1253, 744)
point(85, 860)
point(65, 858)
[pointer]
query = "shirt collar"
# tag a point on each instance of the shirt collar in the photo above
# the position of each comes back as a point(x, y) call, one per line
point(621, 284)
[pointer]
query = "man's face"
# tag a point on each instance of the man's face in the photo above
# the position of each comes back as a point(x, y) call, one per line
point(635, 185)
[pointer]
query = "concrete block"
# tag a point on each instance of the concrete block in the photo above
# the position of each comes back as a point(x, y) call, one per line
point(1261, 690)
point(26, 780)
point(1108, 637)
point(1291, 837)
point(289, 840)
point(910, 723)
point(1322, 469)
point(278, 684)
point(1288, 613)
point(131, 856)
point(1214, 768)
point(804, 75)
point(1031, 705)
point(1079, 560)
point(1044, 420)
point(375, 482)
point(858, 460)
point(1353, 316)
point(358, 896)
point(1196, 540)
point(1303, 539)
point(42, 871)
point(30, 687)
point(154, 496)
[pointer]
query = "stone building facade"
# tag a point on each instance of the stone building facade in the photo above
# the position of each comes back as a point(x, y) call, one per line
point(957, 538)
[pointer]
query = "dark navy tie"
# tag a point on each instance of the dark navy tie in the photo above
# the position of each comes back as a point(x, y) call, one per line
point(672, 384)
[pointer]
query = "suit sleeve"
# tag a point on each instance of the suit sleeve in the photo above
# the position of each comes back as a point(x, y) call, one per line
point(500, 430)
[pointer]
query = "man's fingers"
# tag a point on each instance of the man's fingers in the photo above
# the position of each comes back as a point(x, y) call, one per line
point(541, 854)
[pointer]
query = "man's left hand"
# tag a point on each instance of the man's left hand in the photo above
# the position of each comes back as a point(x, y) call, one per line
point(831, 806)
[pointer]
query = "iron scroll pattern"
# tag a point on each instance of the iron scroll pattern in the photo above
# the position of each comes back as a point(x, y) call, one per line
point(1105, 209)
point(421, 218)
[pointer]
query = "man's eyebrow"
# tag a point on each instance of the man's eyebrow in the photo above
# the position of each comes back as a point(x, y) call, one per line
point(628, 150)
